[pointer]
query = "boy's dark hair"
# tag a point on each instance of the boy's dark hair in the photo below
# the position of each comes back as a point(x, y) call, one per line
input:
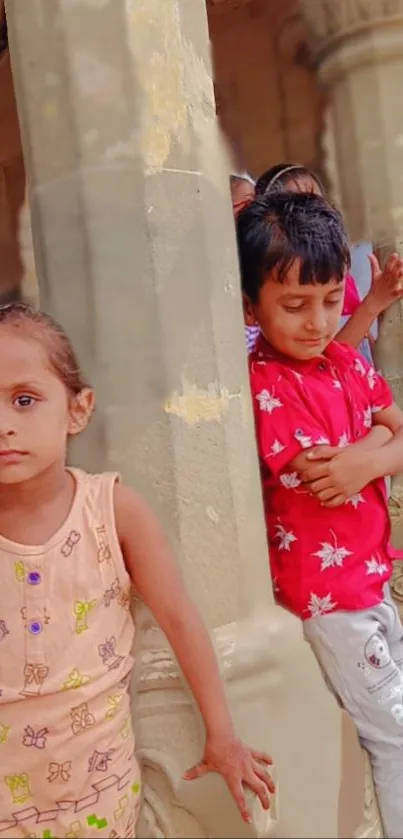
point(275, 230)
point(279, 177)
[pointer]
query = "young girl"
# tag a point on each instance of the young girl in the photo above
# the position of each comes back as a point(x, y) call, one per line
point(357, 316)
point(71, 547)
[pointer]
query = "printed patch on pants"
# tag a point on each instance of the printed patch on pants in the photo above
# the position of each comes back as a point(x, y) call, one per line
point(397, 713)
point(376, 652)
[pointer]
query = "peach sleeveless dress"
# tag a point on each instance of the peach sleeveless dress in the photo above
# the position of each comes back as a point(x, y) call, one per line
point(67, 764)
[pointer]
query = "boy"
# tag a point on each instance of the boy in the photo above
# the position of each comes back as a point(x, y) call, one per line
point(327, 519)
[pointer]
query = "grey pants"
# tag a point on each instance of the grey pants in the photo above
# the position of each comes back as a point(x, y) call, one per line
point(361, 655)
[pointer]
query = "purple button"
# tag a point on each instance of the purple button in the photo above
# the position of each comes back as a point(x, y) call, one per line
point(35, 627)
point(34, 578)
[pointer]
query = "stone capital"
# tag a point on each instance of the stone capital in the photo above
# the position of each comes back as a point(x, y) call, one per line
point(370, 24)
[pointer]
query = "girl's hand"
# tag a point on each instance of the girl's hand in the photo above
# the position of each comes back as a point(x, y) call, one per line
point(386, 285)
point(240, 767)
point(157, 579)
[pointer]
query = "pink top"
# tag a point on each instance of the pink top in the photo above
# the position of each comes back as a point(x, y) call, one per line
point(322, 559)
point(66, 641)
point(351, 296)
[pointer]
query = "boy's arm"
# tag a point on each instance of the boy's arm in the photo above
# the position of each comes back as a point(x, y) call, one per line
point(333, 476)
point(378, 436)
point(389, 459)
point(285, 425)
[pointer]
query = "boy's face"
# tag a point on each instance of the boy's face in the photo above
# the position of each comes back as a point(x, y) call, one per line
point(297, 320)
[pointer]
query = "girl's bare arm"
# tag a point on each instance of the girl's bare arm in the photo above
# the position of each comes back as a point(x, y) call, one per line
point(156, 577)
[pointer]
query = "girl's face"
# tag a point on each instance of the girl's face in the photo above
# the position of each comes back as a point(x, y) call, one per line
point(37, 414)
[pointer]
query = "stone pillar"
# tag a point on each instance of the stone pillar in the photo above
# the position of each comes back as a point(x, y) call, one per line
point(12, 177)
point(135, 254)
point(358, 46)
point(358, 49)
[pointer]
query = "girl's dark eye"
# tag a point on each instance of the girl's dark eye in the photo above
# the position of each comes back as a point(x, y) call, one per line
point(24, 401)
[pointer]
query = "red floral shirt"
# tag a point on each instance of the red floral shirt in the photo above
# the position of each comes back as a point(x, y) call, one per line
point(321, 559)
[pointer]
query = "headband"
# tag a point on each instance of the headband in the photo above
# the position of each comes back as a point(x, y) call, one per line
point(282, 172)
point(243, 176)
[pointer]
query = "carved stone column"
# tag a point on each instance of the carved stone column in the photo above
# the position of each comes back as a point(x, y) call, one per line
point(358, 48)
point(12, 176)
point(135, 251)
point(358, 45)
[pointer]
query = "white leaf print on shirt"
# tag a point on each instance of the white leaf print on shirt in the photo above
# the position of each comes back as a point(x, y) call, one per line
point(355, 500)
point(320, 605)
point(343, 440)
point(322, 441)
point(376, 567)
point(298, 376)
point(304, 440)
point(268, 401)
point(376, 408)
point(359, 367)
point(368, 417)
point(371, 378)
point(337, 384)
point(285, 537)
point(331, 554)
point(290, 480)
point(276, 448)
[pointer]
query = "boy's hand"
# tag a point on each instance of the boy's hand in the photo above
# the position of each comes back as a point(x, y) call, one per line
point(386, 285)
point(334, 475)
point(240, 767)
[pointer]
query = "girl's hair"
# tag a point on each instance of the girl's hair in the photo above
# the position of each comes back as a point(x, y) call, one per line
point(280, 176)
point(47, 332)
point(275, 231)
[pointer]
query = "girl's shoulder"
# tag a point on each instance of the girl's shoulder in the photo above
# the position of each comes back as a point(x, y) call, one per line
point(95, 495)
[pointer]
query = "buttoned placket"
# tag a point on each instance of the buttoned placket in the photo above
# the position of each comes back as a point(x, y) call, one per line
point(35, 615)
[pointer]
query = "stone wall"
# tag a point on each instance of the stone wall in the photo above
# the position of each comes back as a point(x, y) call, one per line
point(268, 99)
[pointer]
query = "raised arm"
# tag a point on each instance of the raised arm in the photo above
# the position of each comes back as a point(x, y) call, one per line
point(386, 288)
